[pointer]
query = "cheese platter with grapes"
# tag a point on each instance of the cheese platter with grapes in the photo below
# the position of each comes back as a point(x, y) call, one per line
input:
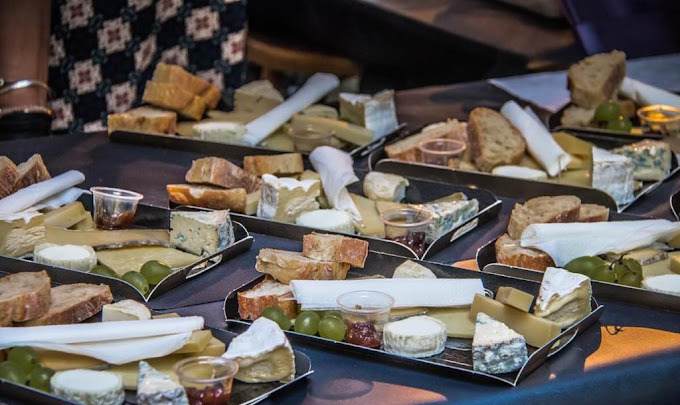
point(337, 295)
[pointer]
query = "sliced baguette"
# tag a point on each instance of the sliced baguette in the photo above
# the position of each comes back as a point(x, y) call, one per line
point(494, 140)
point(285, 266)
point(73, 303)
point(268, 293)
point(173, 97)
point(31, 171)
point(407, 148)
point(593, 213)
point(215, 198)
point(596, 78)
point(335, 248)
point(509, 252)
point(9, 175)
point(24, 296)
point(221, 172)
point(144, 119)
point(284, 164)
point(542, 210)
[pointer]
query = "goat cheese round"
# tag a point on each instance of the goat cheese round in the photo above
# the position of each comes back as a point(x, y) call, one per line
point(88, 387)
point(74, 257)
point(418, 336)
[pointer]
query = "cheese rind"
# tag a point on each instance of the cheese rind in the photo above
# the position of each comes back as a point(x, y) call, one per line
point(496, 349)
point(201, 232)
point(100, 237)
point(515, 298)
point(125, 310)
point(376, 113)
point(154, 388)
point(88, 387)
point(385, 187)
point(564, 297)
point(284, 199)
point(418, 336)
point(75, 257)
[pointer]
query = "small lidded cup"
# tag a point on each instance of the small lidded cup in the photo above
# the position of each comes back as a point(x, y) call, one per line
point(407, 226)
point(442, 152)
point(114, 208)
point(365, 313)
point(307, 137)
point(207, 379)
point(661, 118)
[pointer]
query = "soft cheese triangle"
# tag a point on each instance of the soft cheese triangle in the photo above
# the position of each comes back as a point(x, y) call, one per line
point(564, 297)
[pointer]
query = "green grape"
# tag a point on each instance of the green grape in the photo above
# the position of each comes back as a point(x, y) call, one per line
point(137, 280)
point(154, 271)
point(620, 270)
point(335, 313)
point(277, 315)
point(332, 327)
point(307, 322)
point(40, 377)
point(13, 372)
point(585, 265)
point(604, 273)
point(607, 111)
point(633, 265)
point(620, 124)
point(25, 357)
point(104, 270)
point(631, 280)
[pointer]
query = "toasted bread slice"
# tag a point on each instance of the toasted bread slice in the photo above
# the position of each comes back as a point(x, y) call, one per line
point(268, 293)
point(285, 266)
point(144, 119)
point(284, 164)
point(543, 210)
point(31, 171)
point(593, 213)
point(173, 97)
point(221, 172)
point(9, 175)
point(335, 248)
point(596, 78)
point(73, 303)
point(494, 140)
point(509, 252)
point(24, 296)
point(215, 198)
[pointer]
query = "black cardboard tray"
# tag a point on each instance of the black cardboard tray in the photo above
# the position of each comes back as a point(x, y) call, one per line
point(456, 358)
point(151, 217)
point(555, 124)
point(520, 188)
point(486, 262)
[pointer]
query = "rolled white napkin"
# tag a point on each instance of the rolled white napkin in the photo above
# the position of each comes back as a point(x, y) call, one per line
point(540, 143)
point(337, 172)
point(441, 292)
point(35, 193)
point(644, 94)
point(312, 91)
point(565, 242)
point(53, 202)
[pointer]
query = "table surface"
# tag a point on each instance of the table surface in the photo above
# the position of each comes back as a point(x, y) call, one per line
point(631, 356)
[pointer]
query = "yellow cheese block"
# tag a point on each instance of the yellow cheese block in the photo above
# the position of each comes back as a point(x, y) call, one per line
point(321, 199)
point(132, 258)
point(59, 361)
point(343, 130)
point(371, 223)
point(456, 320)
point(197, 342)
point(579, 163)
point(383, 206)
point(98, 237)
point(515, 298)
point(66, 216)
point(449, 198)
point(675, 264)
point(675, 242)
point(528, 161)
point(573, 145)
point(657, 268)
point(279, 140)
point(582, 178)
point(252, 200)
point(536, 331)
point(85, 224)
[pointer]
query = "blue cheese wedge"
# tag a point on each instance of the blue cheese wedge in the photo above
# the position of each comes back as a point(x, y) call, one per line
point(263, 354)
point(666, 284)
point(284, 199)
point(447, 215)
point(496, 349)
point(385, 187)
point(154, 388)
point(376, 113)
point(125, 310)
point(652, 159)
point(564, 297)
point(75, 257)
point(613, 174)
point(418, 336)
point(88, 387)
point(328, 220)
point(201, 232)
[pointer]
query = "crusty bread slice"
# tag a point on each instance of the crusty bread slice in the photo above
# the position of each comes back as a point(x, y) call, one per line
point(407, 148)
point(31, 171)
point(509, 252)
point(575, 116)
point(593, 213)
point(73, 303)
point(221, 172)
point(543, 210)
point(24, 296)
point(285, 266)
point(268, 293)
point(596, 78)
point(173, 97)
point(9, 174)
point(166, 72)
point(284, 164)
point(144, 119)
point(211, 96)
point(494, 140)
point(335, 248)
point(208, 197)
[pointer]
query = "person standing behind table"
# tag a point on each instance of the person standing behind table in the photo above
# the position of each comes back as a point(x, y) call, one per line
point(100, 53)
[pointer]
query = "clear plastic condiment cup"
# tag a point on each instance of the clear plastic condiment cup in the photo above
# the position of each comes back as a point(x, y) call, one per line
point(307, 137)
point(207, 377)
point(114, 208)
point(407, 226)
point(661, 118)
point(365, 313)
point(442, 151)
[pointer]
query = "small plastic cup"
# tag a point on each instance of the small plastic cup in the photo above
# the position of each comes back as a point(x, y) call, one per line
point(114, 208)
point(207, 376)
point(365, 312)
point(661, 118)
point(307, 137)
point(407, 226)
point(442, 151)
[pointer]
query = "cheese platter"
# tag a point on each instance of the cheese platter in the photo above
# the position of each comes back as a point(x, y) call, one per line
point(58, 349)
point(421, 323)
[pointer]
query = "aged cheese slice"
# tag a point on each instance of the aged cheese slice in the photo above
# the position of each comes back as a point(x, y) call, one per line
point(197, 343)
point(515, 298)
point(280, 141)
point(666, 284)
point(456, 320)
point(85, 224)
point(573, 145)
point(59, 361)
point(675, 264)
point(371, 223)
point(397, 314)
point(98, 237)
point(132, 258)
point(351, 133)
point(66, 216)
point(383, 206)
point(644, 256)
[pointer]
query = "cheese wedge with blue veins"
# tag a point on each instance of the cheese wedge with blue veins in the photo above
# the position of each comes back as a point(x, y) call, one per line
point(613, 174)
point(154, 388)
point(447, 215)
point(496, 349)
point(376, 112)
point(652, 159)
point(201, 232)
point(564, 297)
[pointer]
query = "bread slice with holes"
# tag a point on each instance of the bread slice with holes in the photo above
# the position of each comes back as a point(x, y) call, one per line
point(593, 213)
point(268, 293)
point(220, 172)
point(9, 175)
point(596, 78)
point(543, 210)
point(285, 266)
point(510, 253)
point(24, 296)
point(494, 140)
point(73, 303)
point(31, 171)
point(335, 248)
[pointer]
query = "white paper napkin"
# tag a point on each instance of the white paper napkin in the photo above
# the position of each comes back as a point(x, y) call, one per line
point(35, 193)
point(337, 172)
point(644, 94)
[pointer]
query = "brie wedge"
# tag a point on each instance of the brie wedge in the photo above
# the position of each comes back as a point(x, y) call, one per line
point(125, 310)
point(154, 387)
point(88, 387)
point(564, 297)
point(418, 336)
point(284, 199)
point(496, 349)
point(613, 174)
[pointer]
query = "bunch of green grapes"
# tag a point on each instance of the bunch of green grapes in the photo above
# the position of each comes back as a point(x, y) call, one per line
point(23, 367)
point(328, 324)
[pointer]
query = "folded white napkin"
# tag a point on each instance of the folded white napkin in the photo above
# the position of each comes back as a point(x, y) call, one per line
point(312, 91)
point(565, 242)
point(337, 171)
point(644, 94)
point(35, 193)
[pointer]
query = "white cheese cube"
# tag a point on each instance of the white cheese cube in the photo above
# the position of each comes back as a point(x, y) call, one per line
point(284, 199)
point(376, 113)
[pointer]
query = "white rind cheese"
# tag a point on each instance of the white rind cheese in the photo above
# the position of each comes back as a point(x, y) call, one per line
point(613, 174)
point(284, 199)
point(76, 257)
point(385, 187)
point(520, 172)
point(418, 336)
point(496, 349)
point(564, 297)
point(652, 159)
point(666, 284)
point(328, 220)
point(88, 387)
point(376, 113)
point(263, 354)
point(411, 269)
point(155, 388)
point(447, 215)
point(125, 310)
point(201, 232)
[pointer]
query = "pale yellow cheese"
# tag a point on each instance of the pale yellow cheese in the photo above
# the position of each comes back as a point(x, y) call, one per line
point(59, 361)
point(456, 320)
point(675, 242)
point(657, 268)
point(85, 224)
point(132, 258)
point(383, 206)
point(371, 223)
point(198, 341)
point(449, 198)
point(528, 161)
point(252, 200)
point(582, 178)
point(515, 298)
point(66, 216)
point(62, 236)
point(321, 199)
point(351, 133)
point(279, 140)
point(675, 264)
point(573, 145)
point(397, 314)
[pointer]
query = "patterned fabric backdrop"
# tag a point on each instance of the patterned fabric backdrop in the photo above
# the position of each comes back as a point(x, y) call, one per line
point(102, 52)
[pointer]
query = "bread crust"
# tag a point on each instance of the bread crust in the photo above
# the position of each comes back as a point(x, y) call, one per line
point(221, 172)
point(283, 164)
point(285, 266)
point(73, 303)
point(251, 307)
point(335, 248)
point(31, 171)
point(144, 119)
point(24, 296)
point(510, 253)
point(208, 197)
point(9, 175)
point(593, 213)
point(589, 95)
point(533, 212)
point(484, 158)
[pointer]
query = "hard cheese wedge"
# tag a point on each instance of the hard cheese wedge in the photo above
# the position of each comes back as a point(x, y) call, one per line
point(132, 258)
point(371, 224)
point(98, 237)
point(515, 298)
point(351, 133)
point(456, 320)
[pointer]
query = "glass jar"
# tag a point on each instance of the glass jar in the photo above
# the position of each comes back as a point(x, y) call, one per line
point(661, 118)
